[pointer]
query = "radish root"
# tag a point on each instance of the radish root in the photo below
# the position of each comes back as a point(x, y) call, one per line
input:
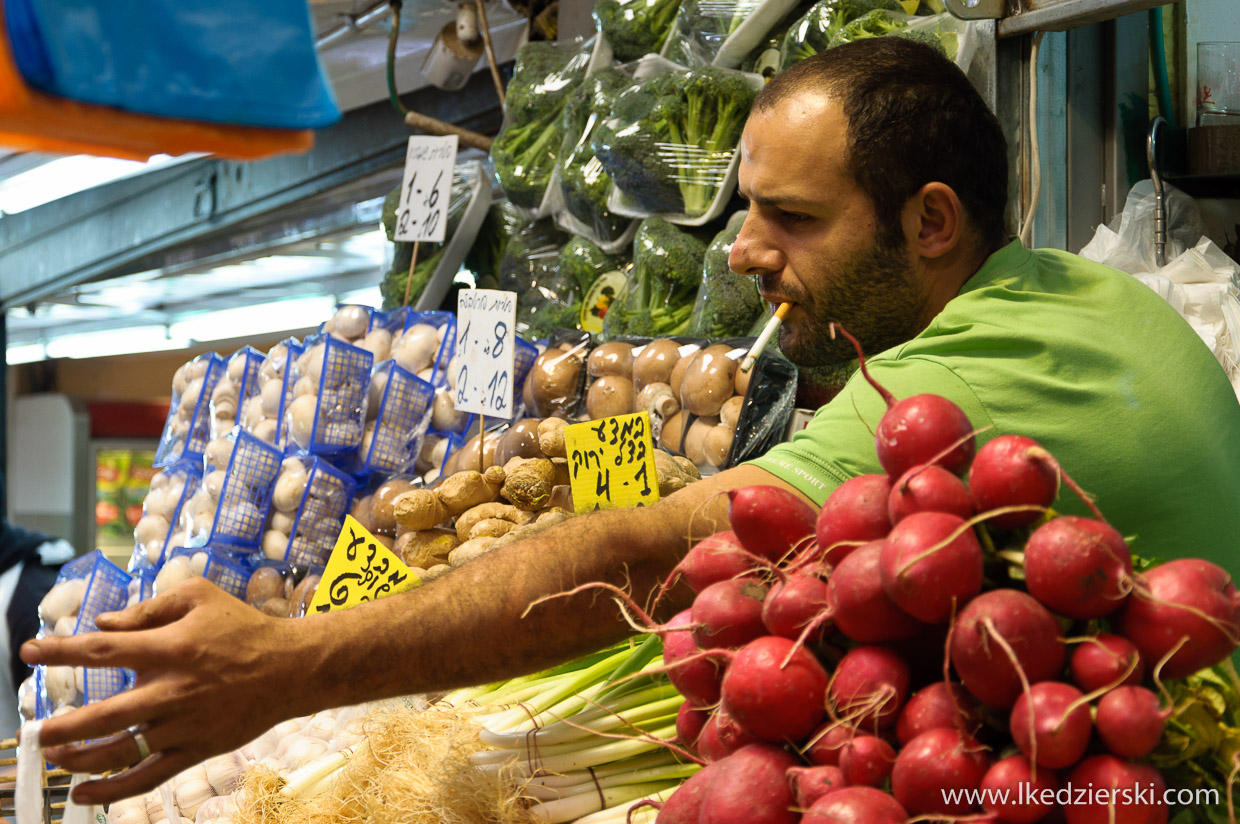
point(960, 530)
point(887, 397)
point(1038, 453)
point(993, 632)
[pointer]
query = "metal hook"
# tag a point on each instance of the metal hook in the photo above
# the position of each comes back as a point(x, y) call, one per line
point(1160, 202)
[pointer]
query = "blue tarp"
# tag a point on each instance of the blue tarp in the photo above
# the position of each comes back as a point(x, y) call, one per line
point(224, 61)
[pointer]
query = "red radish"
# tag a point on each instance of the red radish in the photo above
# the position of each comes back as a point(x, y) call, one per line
point(855, 805)
point(714, 559)
point(773, 700)
point(1010, 791)
point(689, 724)
point(795, 603)
point(928, 489)
point(860, 607)
point(921, 429)
point(939, 705)
point(934, 764)
point(770, 521)
point(709, 745)
point(728, 614)
point(866, 761)
point(1101, 661)
point(929, 560)
point(827, 743)
point(855, 512)
point(1120, 792)
point(1005, 474)
point(1130, 721)
point(1188, 600)
point(694, 675)
point(1078, 567)
point(1005, 618)
point(685, 803)
point(1057, 719)
point(751, 785)
point(811, 783)
point(721, 736)
point(868, 687)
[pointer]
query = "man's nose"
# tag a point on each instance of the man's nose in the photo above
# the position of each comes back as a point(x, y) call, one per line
point(752, 252)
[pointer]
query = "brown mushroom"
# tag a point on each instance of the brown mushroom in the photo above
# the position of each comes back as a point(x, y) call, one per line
point(556, 377)
point(695, 439)
point(673, 432)
point(610, 395)
point(613, 358)
point(382, 516)
point(717, 445)
point(677, 377)
point(655, 362)
point(520, 441)
point(708, 381)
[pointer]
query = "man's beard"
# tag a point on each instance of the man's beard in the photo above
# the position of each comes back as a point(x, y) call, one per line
point(875, 296)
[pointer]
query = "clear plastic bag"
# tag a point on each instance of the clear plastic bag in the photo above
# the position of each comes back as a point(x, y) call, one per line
point(308, 504)
point(546, 298)
point(584, 183)
point(728, 305)
point(670, 142)
point(187, 428)
point(327, 413)
point(635, 27)
point(231, 505)
point(263, 415)
point(423, 343)
point(556, 383)
point(526, 149)
point(832, 22)
point(160, 525)
point(227, 567)
point(721, 32)
point(398, 413)
point(85, 588)
point(235, 388)
point(662, 286)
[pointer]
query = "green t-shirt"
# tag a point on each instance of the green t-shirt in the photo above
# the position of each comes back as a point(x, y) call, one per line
point(1087, 361)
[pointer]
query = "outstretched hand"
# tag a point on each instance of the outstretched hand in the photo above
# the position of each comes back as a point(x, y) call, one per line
point(212, 675)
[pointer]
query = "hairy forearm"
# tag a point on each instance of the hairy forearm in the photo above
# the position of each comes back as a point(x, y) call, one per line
point(476, 624)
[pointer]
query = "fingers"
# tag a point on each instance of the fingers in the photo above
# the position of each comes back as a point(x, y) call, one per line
point(100, 719)
point(102, 755)
point(154, 612)
point(142, 778)
point(94, 649)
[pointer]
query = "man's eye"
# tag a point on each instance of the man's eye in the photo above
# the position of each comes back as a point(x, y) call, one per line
point(792, 217)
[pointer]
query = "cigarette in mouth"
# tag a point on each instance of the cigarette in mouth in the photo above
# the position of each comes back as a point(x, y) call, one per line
point(772, 326)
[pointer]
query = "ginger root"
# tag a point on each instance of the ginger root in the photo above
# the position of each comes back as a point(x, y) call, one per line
point(419, 509)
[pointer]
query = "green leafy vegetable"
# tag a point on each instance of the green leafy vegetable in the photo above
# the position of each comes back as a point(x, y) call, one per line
point(877, 23)
point(667, 271)
point(583, 181)
point(635, 27)
point(547, 298)
point(728, 304)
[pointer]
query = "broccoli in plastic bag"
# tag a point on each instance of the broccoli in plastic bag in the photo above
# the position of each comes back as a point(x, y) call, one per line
point(525, 150)
point(728, 304)
point(396, 280)
point(671, 137)
point(663, 284)
point(881, 23)
point(635, 27)
point(702, 26)
point(502, 221)
point(813, 32)
point(547, 299)
point(583, 261)
point(583, 181)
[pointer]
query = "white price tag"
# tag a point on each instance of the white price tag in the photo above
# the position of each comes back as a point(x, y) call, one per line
point(485, 342)
point(426, 188)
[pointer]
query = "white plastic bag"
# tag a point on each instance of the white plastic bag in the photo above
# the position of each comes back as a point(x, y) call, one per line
point(1199, 280)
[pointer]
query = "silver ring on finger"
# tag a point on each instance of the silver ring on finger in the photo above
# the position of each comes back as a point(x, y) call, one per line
point(144, 747)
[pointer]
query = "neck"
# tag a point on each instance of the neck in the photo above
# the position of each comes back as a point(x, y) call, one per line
point(946, 274)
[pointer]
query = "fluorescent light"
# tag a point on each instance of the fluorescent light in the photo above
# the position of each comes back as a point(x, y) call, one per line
point(250, 321)
point(114, 342)
point(65, 176)
point(370, 296)
point(24, 353)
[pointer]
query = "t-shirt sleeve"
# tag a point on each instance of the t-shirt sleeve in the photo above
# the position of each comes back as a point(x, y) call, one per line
point(838, 443)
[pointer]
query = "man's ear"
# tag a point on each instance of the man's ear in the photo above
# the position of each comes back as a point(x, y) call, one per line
point(933, 220)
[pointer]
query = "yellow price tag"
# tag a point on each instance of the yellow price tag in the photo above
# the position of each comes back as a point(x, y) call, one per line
point(359, 569)
point(910, 6)
point(611, 463)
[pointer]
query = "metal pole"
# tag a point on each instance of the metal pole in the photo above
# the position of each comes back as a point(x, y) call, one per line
point(352, 24)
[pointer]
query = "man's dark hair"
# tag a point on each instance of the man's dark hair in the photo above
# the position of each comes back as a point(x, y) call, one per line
point(913, 118)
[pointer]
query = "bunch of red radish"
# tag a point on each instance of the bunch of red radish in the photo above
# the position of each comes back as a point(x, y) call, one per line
point(810, 630)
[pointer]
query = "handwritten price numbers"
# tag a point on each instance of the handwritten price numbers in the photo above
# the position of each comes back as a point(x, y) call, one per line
point(611, 463)
point(425, 189)
point(485, 320)
point(359, 569)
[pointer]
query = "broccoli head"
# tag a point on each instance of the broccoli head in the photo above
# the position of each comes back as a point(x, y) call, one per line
point(667, 270)
point(525, 151)
point(728, 304)
point(500, 223)
point(583, 261)
point(635, 27)
point(927, 38)
point(877, 23)
point(811, 34)
point(702, 27)
point(671, 138)
point(850, 10)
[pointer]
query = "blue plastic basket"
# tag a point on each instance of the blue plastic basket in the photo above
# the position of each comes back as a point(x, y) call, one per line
point(242, 373)
point(182, 440)
point(376, 319)
point(245, 495)
point(340, 411)
point(288, 379)
point(107, 590)
point(444, 322)
point(399, 422)
point(191, 471)
point(229, 570)
point(320, 515)
point(523, 357)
